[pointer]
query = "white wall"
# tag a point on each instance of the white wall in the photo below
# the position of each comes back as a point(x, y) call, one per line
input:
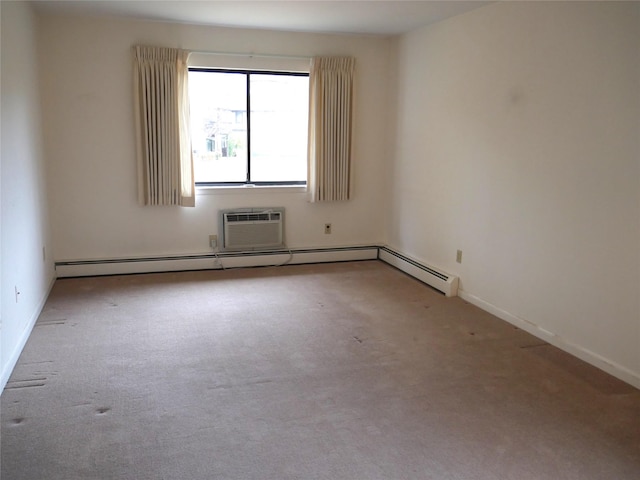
point(24, 220)
point(518, 143)
point(89, 133)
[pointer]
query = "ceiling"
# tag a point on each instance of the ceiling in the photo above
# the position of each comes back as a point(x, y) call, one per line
point(377, 17)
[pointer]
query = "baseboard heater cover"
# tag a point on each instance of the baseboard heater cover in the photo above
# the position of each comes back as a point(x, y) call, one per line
point(436, 278)
point(213, 261)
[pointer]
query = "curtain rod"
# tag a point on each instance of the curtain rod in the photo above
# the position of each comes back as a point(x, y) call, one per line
point(261, 55)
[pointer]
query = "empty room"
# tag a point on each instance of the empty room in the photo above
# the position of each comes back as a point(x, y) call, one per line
point(320, 239)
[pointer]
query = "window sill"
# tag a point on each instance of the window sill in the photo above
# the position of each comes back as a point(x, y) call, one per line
point(216, 190)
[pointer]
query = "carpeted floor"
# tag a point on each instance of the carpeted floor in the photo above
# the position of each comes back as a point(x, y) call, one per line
point(334, 371)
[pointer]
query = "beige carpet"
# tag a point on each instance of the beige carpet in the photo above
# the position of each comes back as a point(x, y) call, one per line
point(341, 371)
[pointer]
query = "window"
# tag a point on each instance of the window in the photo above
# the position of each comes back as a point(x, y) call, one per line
point(249, 127)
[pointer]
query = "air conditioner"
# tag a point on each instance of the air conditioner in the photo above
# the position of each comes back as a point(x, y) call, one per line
point(251, 229)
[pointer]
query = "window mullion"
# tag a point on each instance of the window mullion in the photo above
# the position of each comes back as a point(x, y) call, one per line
point(248, 128)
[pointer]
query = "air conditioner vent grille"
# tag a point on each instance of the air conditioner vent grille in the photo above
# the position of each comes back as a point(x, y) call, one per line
point(252, 229)
point(252, 217)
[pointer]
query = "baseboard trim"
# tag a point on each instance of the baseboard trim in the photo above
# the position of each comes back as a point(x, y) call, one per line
point(582, 353)
point(447, 284)
point(7, 369)
point(213, 261)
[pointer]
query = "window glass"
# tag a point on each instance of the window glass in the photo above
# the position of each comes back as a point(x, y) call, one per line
point(218, 132)
point(278, 127)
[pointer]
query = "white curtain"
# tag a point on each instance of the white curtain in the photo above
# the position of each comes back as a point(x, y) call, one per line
point(165, 165)
point(330, 110)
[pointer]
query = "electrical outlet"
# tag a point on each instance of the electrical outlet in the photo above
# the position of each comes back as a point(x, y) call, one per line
point(327, 229)
point(213, 241)
point(17, 292)
point(459, 256)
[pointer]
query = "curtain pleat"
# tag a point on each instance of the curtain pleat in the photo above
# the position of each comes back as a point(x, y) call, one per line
point(161, 101)
point(330, 113)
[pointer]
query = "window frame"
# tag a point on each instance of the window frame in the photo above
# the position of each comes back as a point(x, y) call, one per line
point(248, 72)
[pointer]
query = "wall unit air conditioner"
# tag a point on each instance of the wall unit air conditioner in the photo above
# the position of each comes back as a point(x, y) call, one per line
point(251, 229)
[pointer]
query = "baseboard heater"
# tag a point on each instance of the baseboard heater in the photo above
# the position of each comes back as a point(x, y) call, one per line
point(436, 278)
point(214, 261)
point(246, 229)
